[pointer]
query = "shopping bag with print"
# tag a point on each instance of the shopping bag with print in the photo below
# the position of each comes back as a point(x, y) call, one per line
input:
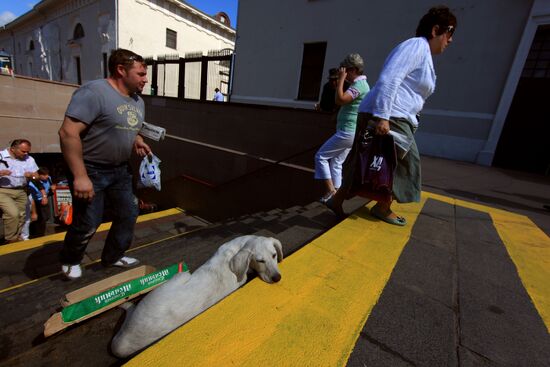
point(149, 171)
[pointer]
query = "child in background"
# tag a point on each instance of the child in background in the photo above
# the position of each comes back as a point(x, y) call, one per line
point(41, 188)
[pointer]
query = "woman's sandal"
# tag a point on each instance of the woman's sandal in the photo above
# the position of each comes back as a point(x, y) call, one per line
point(399, 221)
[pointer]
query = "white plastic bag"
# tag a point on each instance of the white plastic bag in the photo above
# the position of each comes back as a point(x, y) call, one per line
point(402, 142)
point(149, 171)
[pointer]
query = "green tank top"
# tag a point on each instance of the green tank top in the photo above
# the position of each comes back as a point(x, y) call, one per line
point(347, 116)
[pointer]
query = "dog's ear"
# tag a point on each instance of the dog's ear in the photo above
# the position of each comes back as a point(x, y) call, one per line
point(278, 248)
point(239, 263)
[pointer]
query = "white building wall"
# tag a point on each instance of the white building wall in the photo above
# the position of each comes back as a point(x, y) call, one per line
point(471, 74)
point(141, 28)
point(54, 56)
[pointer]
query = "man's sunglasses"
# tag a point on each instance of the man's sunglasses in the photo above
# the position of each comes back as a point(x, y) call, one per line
point(135, 58)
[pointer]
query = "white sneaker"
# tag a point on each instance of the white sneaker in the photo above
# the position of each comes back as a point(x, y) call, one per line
point(72, 271)
point(126, 262)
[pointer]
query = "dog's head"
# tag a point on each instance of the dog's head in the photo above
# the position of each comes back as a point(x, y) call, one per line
point(261, 254)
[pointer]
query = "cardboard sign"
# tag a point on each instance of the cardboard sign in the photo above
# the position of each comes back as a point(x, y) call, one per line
point(108, 293)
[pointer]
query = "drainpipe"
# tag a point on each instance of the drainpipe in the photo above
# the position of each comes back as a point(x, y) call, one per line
point(13, 53)
point(60, 54)
point(230, 91)
point(116, 24)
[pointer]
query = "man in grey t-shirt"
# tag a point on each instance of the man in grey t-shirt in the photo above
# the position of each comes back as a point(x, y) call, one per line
point(97, 136)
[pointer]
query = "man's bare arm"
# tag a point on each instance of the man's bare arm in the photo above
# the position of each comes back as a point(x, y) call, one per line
point(71, 146)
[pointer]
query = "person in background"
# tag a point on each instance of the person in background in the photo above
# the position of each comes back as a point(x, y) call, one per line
point(218, 96)
point(328, 101)
point(97, 137)
point(329, 158)
point(41, 189)
point(406, 81)
point(16, 168)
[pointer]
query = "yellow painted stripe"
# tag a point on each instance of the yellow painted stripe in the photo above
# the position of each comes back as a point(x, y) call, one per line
point(46, 240)
point(98, 260)
point(311, 318)
point(467, 204)
point(528, 247)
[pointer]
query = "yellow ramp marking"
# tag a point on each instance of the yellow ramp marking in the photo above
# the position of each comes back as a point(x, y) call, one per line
point(467, 204)
point(311, 318)
point(46, 240)
point(98, 260)
point(528, 247)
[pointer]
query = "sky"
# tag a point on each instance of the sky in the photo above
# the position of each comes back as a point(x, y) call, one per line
point(11, 9)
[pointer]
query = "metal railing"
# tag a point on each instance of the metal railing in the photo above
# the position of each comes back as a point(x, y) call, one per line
point(271, 162)
point(194, 76)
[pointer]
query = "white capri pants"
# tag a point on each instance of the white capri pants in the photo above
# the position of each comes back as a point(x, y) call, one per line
point(330, 157)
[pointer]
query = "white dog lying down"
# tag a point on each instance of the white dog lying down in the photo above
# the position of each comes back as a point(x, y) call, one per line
point(185, 296)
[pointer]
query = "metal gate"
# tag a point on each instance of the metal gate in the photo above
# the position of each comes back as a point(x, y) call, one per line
point(193, 77)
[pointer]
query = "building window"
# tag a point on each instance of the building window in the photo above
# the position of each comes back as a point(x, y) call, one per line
point(171, 38)
point(313, 61)
point(31, 45)
point(78, 32)
point(537, 64)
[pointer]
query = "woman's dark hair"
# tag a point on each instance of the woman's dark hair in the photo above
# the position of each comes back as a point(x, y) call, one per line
point(438, 15)
point(124, 57)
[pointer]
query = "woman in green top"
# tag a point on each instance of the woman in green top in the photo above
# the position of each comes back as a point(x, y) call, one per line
point(329, 158)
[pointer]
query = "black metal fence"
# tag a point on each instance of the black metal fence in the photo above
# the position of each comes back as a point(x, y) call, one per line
point(194, 76)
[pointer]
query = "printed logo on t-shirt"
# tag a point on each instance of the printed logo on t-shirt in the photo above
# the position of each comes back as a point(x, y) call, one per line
point(133, 115)
point(132, 118)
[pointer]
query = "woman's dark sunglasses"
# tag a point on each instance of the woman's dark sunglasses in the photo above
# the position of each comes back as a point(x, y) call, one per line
point(450, 31)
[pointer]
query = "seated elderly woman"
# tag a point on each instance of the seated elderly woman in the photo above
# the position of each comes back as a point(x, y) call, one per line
point(331, 156)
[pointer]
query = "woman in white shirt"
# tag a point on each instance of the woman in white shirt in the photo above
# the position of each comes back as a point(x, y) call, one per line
point(407, 80)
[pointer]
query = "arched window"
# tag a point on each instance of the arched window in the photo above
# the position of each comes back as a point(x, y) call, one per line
point(31, 45)
point(78, 32)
